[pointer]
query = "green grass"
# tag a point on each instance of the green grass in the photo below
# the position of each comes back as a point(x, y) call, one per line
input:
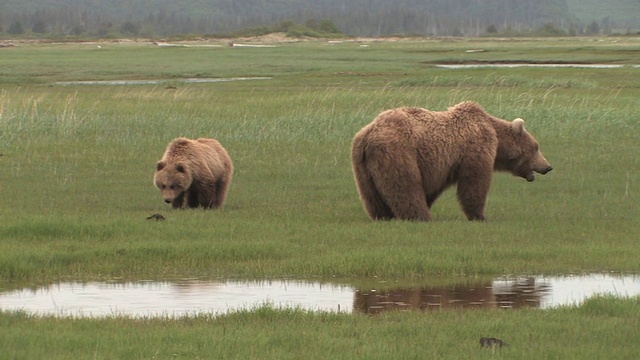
point(76, 187)
point(603, 327)
point(76, 175)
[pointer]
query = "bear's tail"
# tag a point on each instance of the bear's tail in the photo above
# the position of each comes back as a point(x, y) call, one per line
point(375, 205)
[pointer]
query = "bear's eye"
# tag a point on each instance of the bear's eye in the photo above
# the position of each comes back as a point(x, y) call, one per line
point(172, 187)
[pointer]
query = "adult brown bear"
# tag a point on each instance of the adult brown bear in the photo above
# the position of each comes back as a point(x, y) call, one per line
point(194, 173)
point(407, 157)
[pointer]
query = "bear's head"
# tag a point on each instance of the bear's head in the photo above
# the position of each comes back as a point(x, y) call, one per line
point(519, 153)
point(172, 180)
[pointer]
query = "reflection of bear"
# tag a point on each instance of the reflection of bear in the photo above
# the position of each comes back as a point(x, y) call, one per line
point(194, 173)
point(512, 294)
point(407, 157)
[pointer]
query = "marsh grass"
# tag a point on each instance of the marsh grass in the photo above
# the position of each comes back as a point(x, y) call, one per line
point(271, 333)
point(76, 188)
point(78, 163)
point(293, 193)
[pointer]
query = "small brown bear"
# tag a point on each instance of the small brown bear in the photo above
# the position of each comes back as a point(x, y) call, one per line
point(194, 173)
point(407, 157)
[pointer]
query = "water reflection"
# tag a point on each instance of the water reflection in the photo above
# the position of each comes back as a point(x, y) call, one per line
point(155, 82)
point(174, 299)
point(516, 293)
point(192, 296)
point(517, 65)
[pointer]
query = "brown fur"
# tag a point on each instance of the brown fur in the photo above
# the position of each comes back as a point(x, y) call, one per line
point(194, 173)
point(407, 157)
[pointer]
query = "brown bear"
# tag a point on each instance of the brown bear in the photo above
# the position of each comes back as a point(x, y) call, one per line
point(194, 173)
point(406, 158)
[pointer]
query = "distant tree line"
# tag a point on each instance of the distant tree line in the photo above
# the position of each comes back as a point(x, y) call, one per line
point(163, 18)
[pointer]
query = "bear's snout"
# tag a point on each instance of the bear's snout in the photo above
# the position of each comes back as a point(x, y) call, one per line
point(546, 170)
point(168, 201)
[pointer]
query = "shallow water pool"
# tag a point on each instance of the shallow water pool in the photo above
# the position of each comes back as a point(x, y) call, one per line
point(196, 296)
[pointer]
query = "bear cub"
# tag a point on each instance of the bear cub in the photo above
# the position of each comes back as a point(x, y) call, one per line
point(194, 173)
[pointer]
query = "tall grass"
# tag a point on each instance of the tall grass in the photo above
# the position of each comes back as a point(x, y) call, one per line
point(78, 162)
point(78, 184)
point(76, 188)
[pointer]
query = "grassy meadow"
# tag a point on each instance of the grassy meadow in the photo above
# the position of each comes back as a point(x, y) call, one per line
point(78, 161)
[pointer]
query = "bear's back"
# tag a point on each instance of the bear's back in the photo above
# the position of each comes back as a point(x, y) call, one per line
point(424, 127)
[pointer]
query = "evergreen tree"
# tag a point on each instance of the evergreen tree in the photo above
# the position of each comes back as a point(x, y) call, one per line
point(16, 28)
point(39, 27)
point(593, 28)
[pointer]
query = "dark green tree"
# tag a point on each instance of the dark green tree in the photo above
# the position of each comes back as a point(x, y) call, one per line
point(16, 28)
point(77, 30)
point(39, 27)
point(593, 28)
point(327, 26)
point(129, 28)
point(550, 29)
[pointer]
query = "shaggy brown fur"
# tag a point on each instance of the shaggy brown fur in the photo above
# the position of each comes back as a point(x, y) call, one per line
point(407, 157)
point(194, 173)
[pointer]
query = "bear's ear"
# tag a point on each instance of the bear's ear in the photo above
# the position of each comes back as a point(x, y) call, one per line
point(160, 165)
point(517, 126)
point(180, 168)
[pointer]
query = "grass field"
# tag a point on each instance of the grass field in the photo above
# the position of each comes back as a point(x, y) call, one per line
point(78, 160)
point(604, 328)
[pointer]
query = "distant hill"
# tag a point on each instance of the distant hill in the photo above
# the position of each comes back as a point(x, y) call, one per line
point(354, 17)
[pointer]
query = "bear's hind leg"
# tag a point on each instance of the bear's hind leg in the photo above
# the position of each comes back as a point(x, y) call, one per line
point(410, 203)
point(220, 193)
point(401, 187)
point(370, 196)
point(376, 207)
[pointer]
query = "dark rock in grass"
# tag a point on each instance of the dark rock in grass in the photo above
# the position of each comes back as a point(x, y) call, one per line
point(157, 217)
point(490, 342)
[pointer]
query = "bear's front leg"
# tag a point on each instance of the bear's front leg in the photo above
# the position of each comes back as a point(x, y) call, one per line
point(473, 189)
point(179, 202)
